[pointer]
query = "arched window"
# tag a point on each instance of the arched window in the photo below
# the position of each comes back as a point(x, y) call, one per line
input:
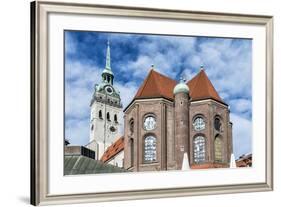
point(218, 149)
point(108, 116)
point(100, 114)
point(199, 123)
point(217, 124)
point(132, 151)
point(115, 118)
point(131, 126)
point(199, 149)
point(150, 149)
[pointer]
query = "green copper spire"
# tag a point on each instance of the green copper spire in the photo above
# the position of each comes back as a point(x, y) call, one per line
point(107, 64)
point(107, 74)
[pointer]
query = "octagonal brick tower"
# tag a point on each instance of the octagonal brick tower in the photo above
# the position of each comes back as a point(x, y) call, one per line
point(181, 94)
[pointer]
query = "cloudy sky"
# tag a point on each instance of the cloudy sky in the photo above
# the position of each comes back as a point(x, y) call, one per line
point(227, 62)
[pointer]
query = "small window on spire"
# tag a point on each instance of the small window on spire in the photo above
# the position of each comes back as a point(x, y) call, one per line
point(108, 116)
point(100, 114)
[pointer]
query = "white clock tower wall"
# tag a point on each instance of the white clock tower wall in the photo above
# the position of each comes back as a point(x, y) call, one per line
point(101, 132)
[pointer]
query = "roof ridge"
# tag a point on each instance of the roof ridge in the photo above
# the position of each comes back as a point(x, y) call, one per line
point(116, 146)
point(156, 82)
point(144, 84)
point(213, 88)
point(160, 89)
point(208, 86)
point(208, 89)
point(196, 78)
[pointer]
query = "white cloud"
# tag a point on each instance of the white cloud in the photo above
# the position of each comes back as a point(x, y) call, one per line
point(165, 53)
point(242, 135)
point(70, 44)
point(228, 65)
point(241, 105)
point(77, 131)
point(127, 92)
point(188, 73)
point(80, 79)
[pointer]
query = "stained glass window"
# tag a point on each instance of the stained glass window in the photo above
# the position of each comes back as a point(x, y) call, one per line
point(199, 124)
point(199, 149)
point(218, 149)
point(150, 149)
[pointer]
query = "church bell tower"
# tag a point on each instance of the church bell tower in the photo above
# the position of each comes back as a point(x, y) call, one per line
point(106, 111)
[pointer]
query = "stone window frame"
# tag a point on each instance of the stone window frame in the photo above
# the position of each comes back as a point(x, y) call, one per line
point(199, 116)
point(100, 114)
point(206, 148)
point(217, 116)
point(143, 145)
point(132, 147)
point(131, 120)
point(108, 116)
point(218, 136)
point(147, 115)
point(115, 118)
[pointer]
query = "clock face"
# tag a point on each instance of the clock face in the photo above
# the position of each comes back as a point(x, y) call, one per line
point(112, 129)
point(108, 89)
point(149, 123)
point(199, 124)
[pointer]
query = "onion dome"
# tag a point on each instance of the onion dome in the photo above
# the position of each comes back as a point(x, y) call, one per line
point(181, 87)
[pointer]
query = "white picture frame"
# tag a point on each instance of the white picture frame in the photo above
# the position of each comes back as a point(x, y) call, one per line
point(43, 187)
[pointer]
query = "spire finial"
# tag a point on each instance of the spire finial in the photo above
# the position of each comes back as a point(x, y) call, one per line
point(202, 67)
point(107, 64)
point(152, 66)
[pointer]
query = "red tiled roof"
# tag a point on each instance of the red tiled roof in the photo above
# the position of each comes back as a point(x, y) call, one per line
point(113, 149)
point(201, 87)
point(157, 85)
point(244, 161)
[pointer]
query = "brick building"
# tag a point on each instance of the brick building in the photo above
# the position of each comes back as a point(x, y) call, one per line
point(166, 119)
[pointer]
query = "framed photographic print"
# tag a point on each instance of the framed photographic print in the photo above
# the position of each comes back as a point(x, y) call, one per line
point(135, 103)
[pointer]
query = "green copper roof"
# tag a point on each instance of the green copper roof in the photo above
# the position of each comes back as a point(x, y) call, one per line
point(181, 87)
point(79, 164)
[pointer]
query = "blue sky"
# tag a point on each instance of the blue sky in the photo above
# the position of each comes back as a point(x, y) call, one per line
point(227, 62)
